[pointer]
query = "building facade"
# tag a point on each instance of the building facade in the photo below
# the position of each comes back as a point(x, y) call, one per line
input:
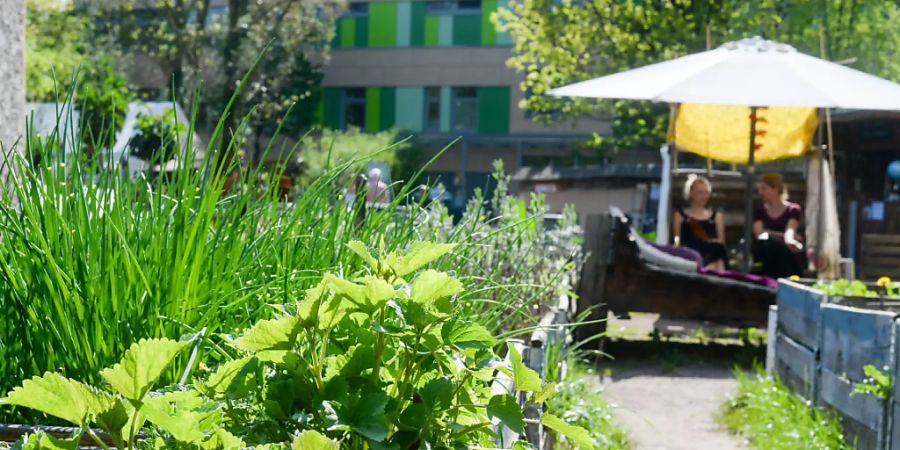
point(437, 70)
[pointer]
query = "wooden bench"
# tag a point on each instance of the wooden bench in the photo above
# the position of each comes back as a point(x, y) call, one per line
point(879, 256)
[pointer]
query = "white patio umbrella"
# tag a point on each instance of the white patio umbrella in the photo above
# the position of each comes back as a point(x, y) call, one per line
point(751, 72)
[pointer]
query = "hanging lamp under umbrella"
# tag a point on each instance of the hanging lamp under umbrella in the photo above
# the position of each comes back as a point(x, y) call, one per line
point(752, 72)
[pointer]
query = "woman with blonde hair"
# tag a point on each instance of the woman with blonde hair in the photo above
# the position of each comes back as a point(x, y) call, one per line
point(699, 227)
point(776, 223)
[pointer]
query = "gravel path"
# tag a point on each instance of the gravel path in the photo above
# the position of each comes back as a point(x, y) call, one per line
point(667, 394)
point(672, 411)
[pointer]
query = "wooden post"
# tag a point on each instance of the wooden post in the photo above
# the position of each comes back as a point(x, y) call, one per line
point(748, 194)
point(592, 283)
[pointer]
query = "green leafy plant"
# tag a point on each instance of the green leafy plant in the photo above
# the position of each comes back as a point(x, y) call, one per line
point(848, 288)
point(120, 411)
point(877, 383)
point(580, 402)
point(159, 136)
point(380, 360)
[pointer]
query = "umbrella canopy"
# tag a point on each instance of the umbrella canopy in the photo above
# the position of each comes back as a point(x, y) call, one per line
point(722, 132)
point(749, 72)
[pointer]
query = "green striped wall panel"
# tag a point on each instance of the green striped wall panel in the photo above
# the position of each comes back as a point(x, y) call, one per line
point(466, 30)
point(432, 24)
point(383, 20)
point(347, 31)
point(503, 38)
point(388, 108)
point(410, 108)
point(362, 32)
point(446, 103)
point(488, 32)
point(445, 30)
point(336, 42)
point(417, 24)
point(333, 98)
point(373, 108)
point(404, 23)
point(493, 109)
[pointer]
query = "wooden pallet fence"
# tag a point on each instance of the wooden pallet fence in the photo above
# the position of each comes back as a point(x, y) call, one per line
point(851, 339)
point(821, 348)
point(797, 337)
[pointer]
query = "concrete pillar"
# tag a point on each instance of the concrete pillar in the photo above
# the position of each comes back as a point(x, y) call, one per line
point(12, 72)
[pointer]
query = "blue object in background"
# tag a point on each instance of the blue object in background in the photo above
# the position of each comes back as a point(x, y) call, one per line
point(893, 170)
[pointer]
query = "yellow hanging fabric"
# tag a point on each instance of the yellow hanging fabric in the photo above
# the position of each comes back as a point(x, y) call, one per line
point(722, 132)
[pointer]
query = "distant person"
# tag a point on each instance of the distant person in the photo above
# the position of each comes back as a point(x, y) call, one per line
point(776, 222)
point(377, 190)
point(700, 227)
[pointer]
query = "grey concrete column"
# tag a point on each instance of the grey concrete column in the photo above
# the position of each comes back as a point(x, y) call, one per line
point(12, 71)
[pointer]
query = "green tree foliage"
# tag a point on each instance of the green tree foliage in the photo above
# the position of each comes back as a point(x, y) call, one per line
point(53, 48)
point(331, 148)
point(61, 49)
point(559, 42)
point(197, 43)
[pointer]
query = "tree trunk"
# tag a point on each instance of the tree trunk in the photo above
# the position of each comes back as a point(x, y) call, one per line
point(12, 72)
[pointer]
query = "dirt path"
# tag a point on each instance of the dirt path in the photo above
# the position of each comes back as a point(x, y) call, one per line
point(667, 393)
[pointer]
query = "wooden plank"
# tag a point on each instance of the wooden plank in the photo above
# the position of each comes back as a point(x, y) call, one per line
point(795, 365)
point(895, 426)
point(866, 412)
point(881, 239)
point(592, 282)
point(771, 335)
point(853, 338)
point(882, 260)
point(799, 312)
point(879, 250)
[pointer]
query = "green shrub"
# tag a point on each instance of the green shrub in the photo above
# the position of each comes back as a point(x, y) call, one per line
point(773, 418)
point(580, 402)
point(90, 263)
point(372, 362)
point(159, 136)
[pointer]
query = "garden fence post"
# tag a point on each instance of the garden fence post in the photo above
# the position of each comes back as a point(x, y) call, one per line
point(770, 340)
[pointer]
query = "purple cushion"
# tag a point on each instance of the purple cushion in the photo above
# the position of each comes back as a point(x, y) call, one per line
point(741, 276)
point(681, 252)
point(693, 255)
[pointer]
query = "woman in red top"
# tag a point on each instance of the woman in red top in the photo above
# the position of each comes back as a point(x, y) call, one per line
point(775, 226)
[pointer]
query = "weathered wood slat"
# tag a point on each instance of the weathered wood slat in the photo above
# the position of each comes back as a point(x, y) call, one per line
point(799, 312)
point(795, 366)
point(592, 281)
point(864, 411)
point(881, 239)
point(853, 338)
point(890, 261)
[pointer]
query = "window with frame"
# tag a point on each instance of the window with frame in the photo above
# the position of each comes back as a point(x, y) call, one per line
point(354, 110)
point(454, 7)
point(357, 9)
point(432, 109)
point(465, 109)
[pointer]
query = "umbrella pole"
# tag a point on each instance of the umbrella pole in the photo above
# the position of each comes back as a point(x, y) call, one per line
point(748, 194)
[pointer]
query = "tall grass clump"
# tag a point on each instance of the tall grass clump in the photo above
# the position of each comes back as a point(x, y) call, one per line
point(770, 417)
point(91, 261)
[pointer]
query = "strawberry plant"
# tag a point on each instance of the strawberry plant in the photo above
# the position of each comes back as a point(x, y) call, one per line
point(376, 361)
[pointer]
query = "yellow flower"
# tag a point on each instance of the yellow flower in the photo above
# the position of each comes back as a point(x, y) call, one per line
point(884, 281)
point(794, 278)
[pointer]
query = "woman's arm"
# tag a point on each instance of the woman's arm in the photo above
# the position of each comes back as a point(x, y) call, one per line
point(720, 227)
point(676, 228)
point(758, 227)
point(790, 235)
